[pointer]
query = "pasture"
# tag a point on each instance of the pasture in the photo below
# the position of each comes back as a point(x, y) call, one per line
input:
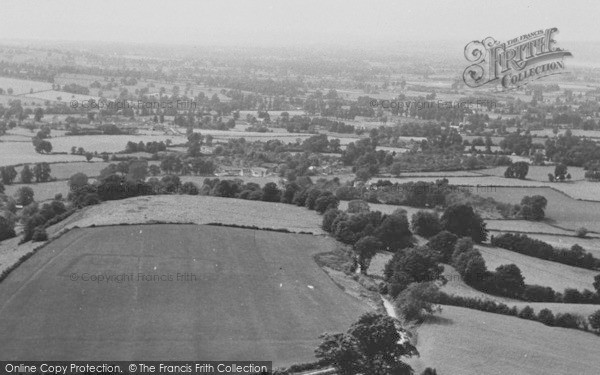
point(538, 271)
point(563, 210)
point(537, 172)
point(198, 210)
point(21, 86)
point(186, 293)
point(12, 153)
point(469, 342)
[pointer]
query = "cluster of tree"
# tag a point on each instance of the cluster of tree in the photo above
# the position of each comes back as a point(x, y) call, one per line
point(532, 207)
point(8, 174)
point(41, 172)
point(372, 345)
point(306, 124)
point(572, 151)
point(151, 147)
point(519, 144)
point(517, 170)
point(560, 173)
point(369, 232)
point(415, 265)
point(520, 243)
point(36, 219)
point(74, 88)
point(185, 166)
point(41, 145)
point(320, 143)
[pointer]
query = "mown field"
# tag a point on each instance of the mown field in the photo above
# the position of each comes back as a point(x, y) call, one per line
point(469, 342)
point(21, 86)
point(256, 295)
point(198, 210)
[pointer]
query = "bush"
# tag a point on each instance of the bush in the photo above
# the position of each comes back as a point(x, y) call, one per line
point(594, 320)
point(426, 224)
point(566, 321)
point(527, 313)
point(581, 232)
point(39, 235)
point(546, 317)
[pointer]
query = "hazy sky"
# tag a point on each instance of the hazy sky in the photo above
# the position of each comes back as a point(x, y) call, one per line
point(266, 22)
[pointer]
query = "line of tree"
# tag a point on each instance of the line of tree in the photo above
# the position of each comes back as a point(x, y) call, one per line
point(575, 256)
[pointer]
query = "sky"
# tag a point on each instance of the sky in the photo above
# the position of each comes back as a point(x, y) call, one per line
point(294, 22)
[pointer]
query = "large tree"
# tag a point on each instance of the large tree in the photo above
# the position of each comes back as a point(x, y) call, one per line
point(463, 221)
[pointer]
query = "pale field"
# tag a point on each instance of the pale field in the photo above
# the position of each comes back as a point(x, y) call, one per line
point(538, 271)
point(21, 86)
point(12, 153)
point(65, 97)
point(198, 210)
point(469, 342)
point(105, 143)
point(63, 171)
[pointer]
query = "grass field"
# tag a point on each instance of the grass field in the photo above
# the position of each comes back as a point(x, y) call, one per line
point(251, 298)
point(105, 143)
point(469, 342)
point(566, 212)
point(490, 185)
point(541, 272)
point(537, 172)
point(199, 210)
point(42, 191)
point(62, 171)
point(12, 153)
point(21, 86)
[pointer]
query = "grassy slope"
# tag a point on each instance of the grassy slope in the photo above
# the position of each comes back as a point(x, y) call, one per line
point(251, 300)
point(469, 342)
point(541, 272)
point(200, 210)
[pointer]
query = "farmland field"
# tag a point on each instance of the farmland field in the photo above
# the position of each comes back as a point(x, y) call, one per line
point(42, 191)
point(585, 190)
point(469, 342)
point(537, 172)
point(537, 271)
point(12, 153)
point(105, 143)
point(566, 212)
point(21, 86)
point(250, 297)
point(198, 210)
point(62, 171)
